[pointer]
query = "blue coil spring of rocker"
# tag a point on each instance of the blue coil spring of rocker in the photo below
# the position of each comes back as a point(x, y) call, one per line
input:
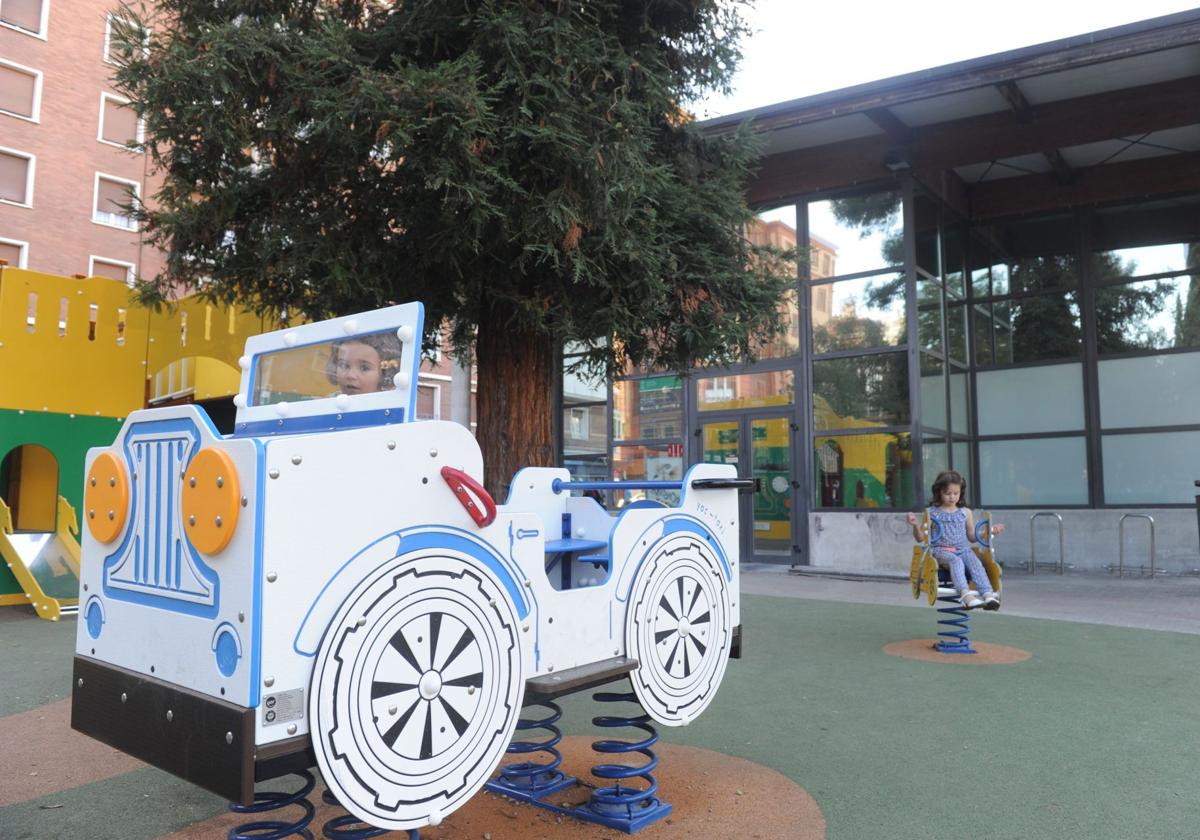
point(266, 801)
point(534, 777)
point(625, 803)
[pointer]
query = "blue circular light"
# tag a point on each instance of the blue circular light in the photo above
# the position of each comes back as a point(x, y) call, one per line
point(95, 619)
point(227, 653)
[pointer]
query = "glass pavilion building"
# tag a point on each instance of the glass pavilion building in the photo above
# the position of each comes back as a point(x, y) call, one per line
point(1002, 275)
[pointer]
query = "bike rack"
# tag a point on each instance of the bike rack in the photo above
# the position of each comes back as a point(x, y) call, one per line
point(1062, 553)
point(1121, 539)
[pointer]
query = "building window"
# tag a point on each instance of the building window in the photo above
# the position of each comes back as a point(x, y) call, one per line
point(16, 177)
point(27, 16)
point(14, 252)
point(113, 52)
point(20, 91)
point(429, 401)
point(114, 269)
point(119, 124)
point(577, 424)
point(111, 200)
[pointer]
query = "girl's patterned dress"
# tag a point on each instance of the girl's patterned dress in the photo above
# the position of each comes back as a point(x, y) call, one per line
point(952, 549)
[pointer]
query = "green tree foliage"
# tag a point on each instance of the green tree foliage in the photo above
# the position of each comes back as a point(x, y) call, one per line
point(1187, 329)
point(523, 168)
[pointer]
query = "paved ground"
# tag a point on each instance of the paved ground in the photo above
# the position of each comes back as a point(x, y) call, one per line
point(1163, 604)
point(1094, 737)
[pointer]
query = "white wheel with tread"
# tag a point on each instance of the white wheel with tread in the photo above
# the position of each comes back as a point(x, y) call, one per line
point(416, 689)
point(678, 628)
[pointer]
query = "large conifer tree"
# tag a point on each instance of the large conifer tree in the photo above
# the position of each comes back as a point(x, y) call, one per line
point(523, 168)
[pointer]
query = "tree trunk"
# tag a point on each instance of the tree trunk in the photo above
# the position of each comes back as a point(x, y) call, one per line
point(514, 402)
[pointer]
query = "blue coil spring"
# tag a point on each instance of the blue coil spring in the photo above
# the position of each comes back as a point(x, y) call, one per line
point(265, 801)
point(532, 776)
point(618, 800)
point(350, 827)
point(955, 625)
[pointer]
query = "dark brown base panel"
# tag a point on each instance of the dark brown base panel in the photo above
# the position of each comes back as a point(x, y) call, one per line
point(208, 742)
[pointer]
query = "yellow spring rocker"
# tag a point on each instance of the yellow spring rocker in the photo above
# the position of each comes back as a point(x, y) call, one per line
point(931, 578)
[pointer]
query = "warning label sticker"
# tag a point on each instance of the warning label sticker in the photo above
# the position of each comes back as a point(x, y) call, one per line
point(282, 707)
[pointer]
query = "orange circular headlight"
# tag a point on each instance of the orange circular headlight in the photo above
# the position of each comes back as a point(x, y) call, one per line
point(106, 497)
point(211, 500)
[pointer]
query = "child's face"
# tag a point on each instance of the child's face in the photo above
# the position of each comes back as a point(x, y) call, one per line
point(358, 370)
point(951, 493)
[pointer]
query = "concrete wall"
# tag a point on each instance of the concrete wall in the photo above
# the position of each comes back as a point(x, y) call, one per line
point(866, 542)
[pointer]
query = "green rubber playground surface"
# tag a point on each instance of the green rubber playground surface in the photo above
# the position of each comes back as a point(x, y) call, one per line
point(1096, 736)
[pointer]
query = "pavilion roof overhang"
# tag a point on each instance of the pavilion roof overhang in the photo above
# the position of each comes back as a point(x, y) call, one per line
point(1089, 119)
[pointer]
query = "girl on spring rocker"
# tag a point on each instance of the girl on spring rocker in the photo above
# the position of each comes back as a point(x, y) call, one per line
point(955, 527)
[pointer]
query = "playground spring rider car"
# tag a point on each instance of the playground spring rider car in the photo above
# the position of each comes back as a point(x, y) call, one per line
point(331, 584)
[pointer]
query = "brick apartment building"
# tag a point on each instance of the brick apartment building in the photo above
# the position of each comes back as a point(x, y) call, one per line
point(66, 166)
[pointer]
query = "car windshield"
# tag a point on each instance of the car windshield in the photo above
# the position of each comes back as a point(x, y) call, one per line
point(361, 364)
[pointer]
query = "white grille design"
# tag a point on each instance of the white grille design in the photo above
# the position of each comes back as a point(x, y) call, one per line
point(156, 559)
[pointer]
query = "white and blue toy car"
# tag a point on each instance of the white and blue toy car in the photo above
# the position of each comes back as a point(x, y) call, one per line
point(331, 584)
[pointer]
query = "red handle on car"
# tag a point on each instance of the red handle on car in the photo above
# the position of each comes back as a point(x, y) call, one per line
point(481, 508)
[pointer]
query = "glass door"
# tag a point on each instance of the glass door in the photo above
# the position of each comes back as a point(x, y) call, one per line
point(760, 446)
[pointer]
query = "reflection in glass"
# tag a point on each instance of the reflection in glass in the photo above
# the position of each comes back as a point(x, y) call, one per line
point(863, 471)
point(1037, 471)
point(929, 327)
point(771, 464)
point(585, 430)
point(777, 228)
point(1042, 398)
point(1035, 274)
point(648, 408)
point(851, 314)
point(960, 450)
point(860, 391)
point(865, 232)
point(1148, 315)
point(362, 364)
point(747, 390)
point(936, 458)
point(956, 332)
point(959, 402)
point(1138, 262)
point(933, 393)
point(1148, 469)
point(1046, 327)
point(926, 219)
point(647, 463)
point(1150, 391)
point(985, 353)
point(954, 262)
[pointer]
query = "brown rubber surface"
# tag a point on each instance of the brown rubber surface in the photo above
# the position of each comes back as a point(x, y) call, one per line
point(987, 654)
point(712, 795)
point(46, 755)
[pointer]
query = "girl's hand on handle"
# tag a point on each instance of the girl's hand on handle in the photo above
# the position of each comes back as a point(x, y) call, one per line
point(912, 519)
point(997, 530)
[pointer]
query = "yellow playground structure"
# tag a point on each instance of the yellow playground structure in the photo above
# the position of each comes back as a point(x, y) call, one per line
point(77, 354)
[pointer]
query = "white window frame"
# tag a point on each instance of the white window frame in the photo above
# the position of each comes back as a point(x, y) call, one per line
point(37, 92)
point(130, 268)
point(437, 396)
point(582, 418)
point(32, 158)
point(137, 192)
point(23, 259)
point(108, 21)
point(42, 24)
point(139, 133)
